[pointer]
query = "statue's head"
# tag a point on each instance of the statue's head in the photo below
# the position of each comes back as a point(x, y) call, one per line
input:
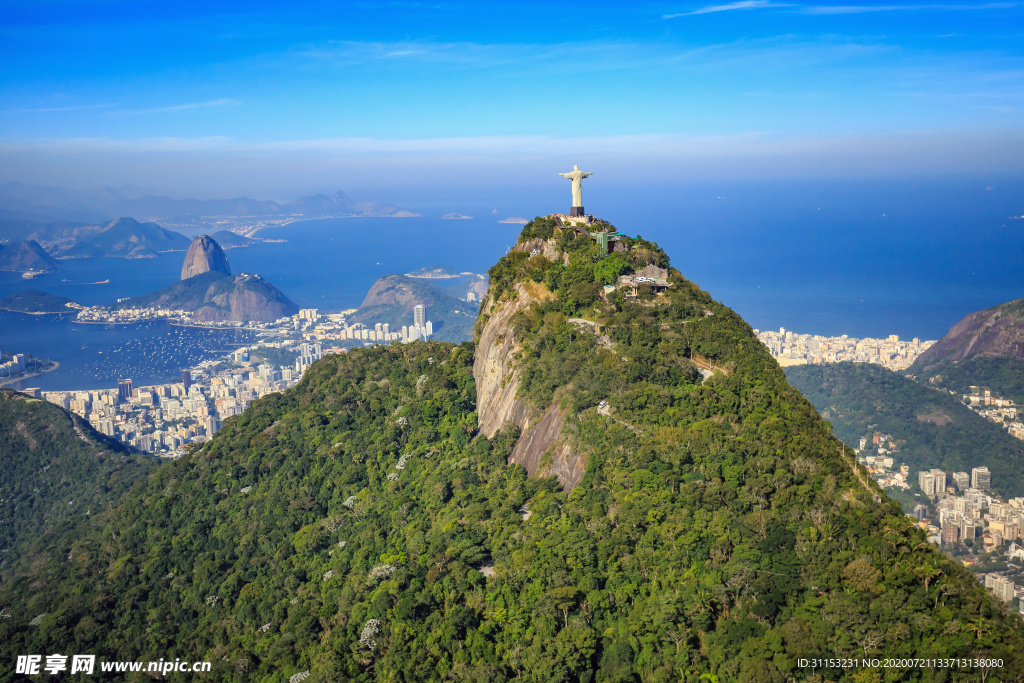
point(575, 167)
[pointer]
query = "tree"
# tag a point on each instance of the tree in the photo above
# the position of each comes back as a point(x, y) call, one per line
point(608, 269)
point(564, 598)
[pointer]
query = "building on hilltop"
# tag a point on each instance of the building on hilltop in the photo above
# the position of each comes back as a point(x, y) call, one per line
point(652, 276)
point(607, 239)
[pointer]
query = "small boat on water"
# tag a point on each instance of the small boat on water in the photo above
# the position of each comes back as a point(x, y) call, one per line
point(104, 282)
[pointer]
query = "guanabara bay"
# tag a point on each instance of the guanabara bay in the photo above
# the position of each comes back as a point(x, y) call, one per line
point(613, 482)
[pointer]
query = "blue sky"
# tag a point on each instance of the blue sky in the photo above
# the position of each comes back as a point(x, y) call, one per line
point(232, 96)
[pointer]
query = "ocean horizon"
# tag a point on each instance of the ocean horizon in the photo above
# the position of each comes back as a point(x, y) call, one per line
point(810, 260)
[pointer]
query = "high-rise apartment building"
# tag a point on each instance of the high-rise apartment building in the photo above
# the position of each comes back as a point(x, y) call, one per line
point(940, 481)
point(962, 481)
point(124, 389)
point(926, 480)
point(981, 478)
point(419, 316)
point(1000, 586)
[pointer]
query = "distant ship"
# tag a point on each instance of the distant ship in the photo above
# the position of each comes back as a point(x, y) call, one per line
point(31, 274)
point(104, 282)
point(495, 210)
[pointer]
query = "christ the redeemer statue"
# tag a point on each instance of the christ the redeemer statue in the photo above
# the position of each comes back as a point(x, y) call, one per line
point(576, 176)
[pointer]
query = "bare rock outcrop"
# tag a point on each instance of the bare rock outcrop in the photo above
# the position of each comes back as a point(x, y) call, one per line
point(498, 382)
point(544, 450)
point(204, 255)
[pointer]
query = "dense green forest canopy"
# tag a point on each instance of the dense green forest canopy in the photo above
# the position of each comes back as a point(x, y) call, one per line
point(931, 428)
point(273, 355)
point(35, 301)
point(55, 473)
point(1002, 375)
point(358, 528)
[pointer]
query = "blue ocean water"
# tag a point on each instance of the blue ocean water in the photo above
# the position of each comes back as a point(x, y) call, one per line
point(867, 258)
point(96, 356)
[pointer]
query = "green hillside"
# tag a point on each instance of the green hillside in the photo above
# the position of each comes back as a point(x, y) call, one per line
point(392, 299)
point(55, 472)
point(214, 296)
point(358, 527)
point(35, 301)
point(932, 428)
point(986, 349)
point(26, 256)
point(1003, 375)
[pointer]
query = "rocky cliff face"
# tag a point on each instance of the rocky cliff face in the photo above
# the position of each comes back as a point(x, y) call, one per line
point(204, 256)
point(497, 380)
point(996, 331)
point(498, 383)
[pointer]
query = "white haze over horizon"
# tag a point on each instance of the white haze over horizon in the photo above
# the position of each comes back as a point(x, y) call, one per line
point(450, 171)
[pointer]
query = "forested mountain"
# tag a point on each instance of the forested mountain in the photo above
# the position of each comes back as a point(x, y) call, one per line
point(932, 428)
point(25, 256)
point(367, 525)
point(214, 296)
point(55, 472)
point(35, 301)
point(392, 299)
point(230, 240)
point(986, 348)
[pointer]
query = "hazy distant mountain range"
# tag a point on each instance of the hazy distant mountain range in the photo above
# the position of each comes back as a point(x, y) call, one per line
point(35, 203)
point(57, 222)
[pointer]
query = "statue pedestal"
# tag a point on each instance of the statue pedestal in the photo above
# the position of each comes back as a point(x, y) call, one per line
point(576, 211)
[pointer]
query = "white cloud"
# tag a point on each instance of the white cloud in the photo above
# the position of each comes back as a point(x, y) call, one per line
point(742, 4)
point(862, 9)
point(222, 167)
point(182, 107)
